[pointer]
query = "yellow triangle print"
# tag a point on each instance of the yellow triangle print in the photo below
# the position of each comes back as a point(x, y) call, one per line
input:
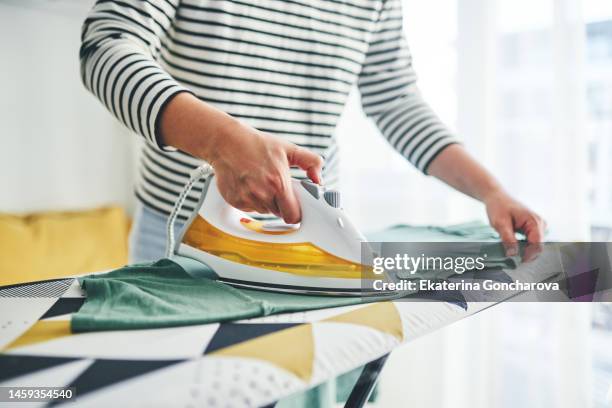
point(290, 349)
point(42, 331)
point(381, 316)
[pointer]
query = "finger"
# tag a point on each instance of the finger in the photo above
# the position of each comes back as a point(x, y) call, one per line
point(506, 232)
point(314, 174)
point(288, 204)
point(263, 199)
point(245, 208)
point(534, 231)
point(259, 205)
point(243, 202)
point(306, 160)
point(532, 250)
point(274, 209)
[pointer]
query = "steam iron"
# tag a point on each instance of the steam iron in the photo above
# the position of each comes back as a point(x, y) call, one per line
point(321, 255)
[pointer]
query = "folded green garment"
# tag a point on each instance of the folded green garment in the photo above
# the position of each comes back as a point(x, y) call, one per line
point(473, 231)
point(163, 294)
point(468, 239)
point(166, 293)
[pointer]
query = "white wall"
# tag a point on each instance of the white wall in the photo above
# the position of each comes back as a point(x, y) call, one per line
point(59, 148)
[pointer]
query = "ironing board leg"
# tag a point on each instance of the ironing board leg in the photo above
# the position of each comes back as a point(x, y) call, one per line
point(366, 383)
point(364, 386)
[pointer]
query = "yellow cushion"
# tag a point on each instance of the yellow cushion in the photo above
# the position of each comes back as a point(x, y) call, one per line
point(52, 245)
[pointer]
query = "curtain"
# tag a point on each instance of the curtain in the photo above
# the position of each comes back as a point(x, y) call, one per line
point(514, 72)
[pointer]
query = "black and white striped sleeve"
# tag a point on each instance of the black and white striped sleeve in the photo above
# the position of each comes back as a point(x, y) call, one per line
point(119, 44)
point(390, 97)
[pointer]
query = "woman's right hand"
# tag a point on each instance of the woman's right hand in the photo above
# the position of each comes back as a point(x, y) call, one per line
point(251, 167)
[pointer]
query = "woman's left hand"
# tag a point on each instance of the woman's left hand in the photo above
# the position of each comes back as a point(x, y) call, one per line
point(508, 216)
point(458, 169)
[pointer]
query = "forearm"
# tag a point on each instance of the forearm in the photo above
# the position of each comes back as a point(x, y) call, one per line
point(459, 170)
point(194, 126)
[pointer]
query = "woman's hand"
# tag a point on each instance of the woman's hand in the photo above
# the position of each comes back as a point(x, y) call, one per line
point(252, 171)
point(507, 215)
point(251, 167)
point(458, 169)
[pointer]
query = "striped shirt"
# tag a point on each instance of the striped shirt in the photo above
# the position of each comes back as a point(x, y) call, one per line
point(283, 66)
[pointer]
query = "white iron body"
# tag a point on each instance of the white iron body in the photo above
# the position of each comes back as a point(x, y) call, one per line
point(324, 224)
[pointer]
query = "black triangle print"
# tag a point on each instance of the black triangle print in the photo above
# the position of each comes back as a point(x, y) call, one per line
point(46, 288)
point(102, 373)
point(450, 296)
point(229, 334)
point(14, 366)
point(64, 306)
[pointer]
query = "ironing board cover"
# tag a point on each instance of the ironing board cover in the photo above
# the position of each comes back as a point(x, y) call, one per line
point(242, 363)
point(250, 362)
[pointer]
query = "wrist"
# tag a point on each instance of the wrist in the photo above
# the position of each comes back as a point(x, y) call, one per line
point(217, 131)
point(492, 193)
point(223, 140)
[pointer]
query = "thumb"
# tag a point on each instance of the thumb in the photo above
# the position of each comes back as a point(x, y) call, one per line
point(288, 204)
point(506, 233)
point(306, 160)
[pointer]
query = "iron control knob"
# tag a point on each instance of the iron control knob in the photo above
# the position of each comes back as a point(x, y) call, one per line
point(332, 197)
point(312, 188)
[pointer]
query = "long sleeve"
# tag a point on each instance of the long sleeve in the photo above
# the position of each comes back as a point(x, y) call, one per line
point(390, 97)
point(121, 41)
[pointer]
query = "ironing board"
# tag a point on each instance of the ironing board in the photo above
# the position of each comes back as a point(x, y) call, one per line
point(251, 362)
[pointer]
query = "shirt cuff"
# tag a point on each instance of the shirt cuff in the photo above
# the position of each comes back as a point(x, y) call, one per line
point(438, 148)
point(157, 108)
